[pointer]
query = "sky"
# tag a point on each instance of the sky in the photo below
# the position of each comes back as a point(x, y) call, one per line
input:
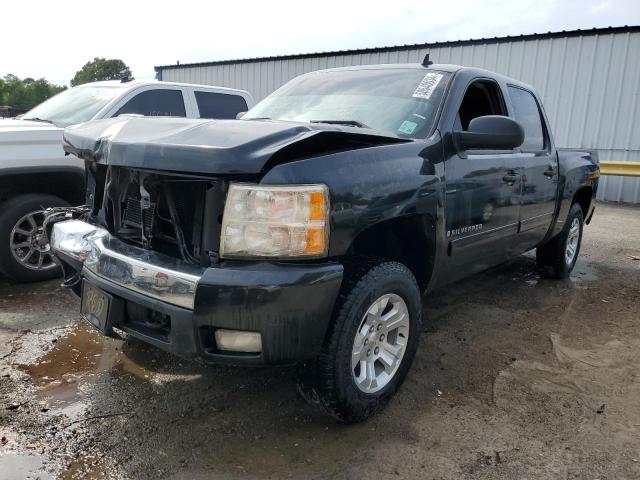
point(53, 39)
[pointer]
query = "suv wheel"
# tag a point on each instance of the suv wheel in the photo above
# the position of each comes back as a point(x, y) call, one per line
point(371, 345)
point(24, 251)
point(557, 257)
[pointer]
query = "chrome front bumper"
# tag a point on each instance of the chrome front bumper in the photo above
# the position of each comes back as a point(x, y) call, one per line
point(144, 271)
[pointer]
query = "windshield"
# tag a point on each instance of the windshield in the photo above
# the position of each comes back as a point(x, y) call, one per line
point(75, 105)
point(397, 101)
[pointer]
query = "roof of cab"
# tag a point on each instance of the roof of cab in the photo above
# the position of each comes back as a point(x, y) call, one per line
point(394, 66)
point(442, 67)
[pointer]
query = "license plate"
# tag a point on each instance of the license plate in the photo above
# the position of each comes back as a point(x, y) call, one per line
point(95, 306)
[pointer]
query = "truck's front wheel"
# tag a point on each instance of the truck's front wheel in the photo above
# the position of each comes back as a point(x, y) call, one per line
point(24, 251)
point(371, 344)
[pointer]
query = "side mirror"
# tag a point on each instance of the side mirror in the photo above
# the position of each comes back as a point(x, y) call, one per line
point(491, 132)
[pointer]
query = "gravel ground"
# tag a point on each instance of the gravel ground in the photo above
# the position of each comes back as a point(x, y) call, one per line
point(517, 377)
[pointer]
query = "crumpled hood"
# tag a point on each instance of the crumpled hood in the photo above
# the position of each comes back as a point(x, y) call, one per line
point(210, 146)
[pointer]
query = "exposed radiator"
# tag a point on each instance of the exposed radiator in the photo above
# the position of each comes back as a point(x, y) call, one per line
point(134, 217)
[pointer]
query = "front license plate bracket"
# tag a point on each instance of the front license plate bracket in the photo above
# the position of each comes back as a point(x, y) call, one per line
point(99, 307)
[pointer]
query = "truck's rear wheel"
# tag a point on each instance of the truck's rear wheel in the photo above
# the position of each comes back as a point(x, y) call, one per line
point(371, 345)
point(24, 251)
point(557, 257)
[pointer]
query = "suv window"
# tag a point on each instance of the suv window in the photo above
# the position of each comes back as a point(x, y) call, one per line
point(483, 97)
point(526, 111)
point(220, 105)
point(156, 103)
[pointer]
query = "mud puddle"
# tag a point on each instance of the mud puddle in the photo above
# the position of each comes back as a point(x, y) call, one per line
point(16, 466)
point(63, 377)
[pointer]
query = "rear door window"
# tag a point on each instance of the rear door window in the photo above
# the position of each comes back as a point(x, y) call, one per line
point(156, 103)
point(526, 111)
point(220, 105)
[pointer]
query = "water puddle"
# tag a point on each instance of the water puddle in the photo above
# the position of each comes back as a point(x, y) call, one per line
point(20, 466)
point(64, 375)
point(85, 469)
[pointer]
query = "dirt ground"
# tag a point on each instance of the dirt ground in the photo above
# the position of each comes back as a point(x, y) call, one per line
point(517, 377)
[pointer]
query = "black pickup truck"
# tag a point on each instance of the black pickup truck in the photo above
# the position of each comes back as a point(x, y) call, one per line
point(308, 230)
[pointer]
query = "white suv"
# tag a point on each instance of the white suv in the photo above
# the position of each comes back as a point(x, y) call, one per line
point(35, 173)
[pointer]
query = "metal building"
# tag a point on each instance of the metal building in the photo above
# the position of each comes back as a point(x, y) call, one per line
point(589, 81)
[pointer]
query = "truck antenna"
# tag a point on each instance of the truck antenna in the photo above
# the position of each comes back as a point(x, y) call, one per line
point(426, 62)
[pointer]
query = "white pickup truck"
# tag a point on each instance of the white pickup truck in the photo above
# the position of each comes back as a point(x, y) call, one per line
point(35, 173)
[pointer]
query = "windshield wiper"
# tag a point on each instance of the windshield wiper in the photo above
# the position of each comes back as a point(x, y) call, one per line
point(349, 123)
point(36, 119)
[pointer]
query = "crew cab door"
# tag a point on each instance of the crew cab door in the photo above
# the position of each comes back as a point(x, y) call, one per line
point(482, 190)
point(154, 102)
point(220, 105)
point(538, 169)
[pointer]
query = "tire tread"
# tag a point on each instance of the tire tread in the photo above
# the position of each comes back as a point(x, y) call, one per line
point(550, 256)
point(318, 383)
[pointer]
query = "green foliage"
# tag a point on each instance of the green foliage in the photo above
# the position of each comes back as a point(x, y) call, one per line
point(101, 69)
point(25, 94)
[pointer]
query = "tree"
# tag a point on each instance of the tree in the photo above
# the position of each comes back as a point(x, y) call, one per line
point(101, 69)
point(25, 94)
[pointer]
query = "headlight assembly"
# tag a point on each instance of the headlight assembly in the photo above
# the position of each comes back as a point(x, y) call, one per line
point(275, 221)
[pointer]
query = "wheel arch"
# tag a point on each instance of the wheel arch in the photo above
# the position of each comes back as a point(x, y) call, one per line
point(67, 183)
point(583, 197)
point(409, 240)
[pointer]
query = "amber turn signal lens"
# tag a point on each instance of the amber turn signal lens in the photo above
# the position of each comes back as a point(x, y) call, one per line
point(315, 240)
point(317, 211)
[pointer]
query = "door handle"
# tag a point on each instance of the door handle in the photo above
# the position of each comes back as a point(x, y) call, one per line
point(550, 172)
point(511, 177)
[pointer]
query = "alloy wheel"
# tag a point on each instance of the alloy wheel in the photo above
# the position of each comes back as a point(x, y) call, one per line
point(28, 242)
point(380, 343)
point(572, 242)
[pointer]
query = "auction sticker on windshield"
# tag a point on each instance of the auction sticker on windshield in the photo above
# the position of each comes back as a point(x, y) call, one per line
point(427, 85)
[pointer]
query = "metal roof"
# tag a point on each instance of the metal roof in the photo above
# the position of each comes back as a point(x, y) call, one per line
point(453, 43)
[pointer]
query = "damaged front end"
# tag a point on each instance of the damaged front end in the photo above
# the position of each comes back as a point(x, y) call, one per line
point(156, 190)
point(149, 232)
point(170, 214)
point(144, 253)
point(83, 248)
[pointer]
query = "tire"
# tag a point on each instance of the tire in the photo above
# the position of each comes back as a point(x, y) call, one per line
point(556, 258)
point(14, 219)
point(329, 382)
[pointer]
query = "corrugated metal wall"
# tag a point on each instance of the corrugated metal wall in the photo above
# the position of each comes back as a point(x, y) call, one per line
point(589, 83)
